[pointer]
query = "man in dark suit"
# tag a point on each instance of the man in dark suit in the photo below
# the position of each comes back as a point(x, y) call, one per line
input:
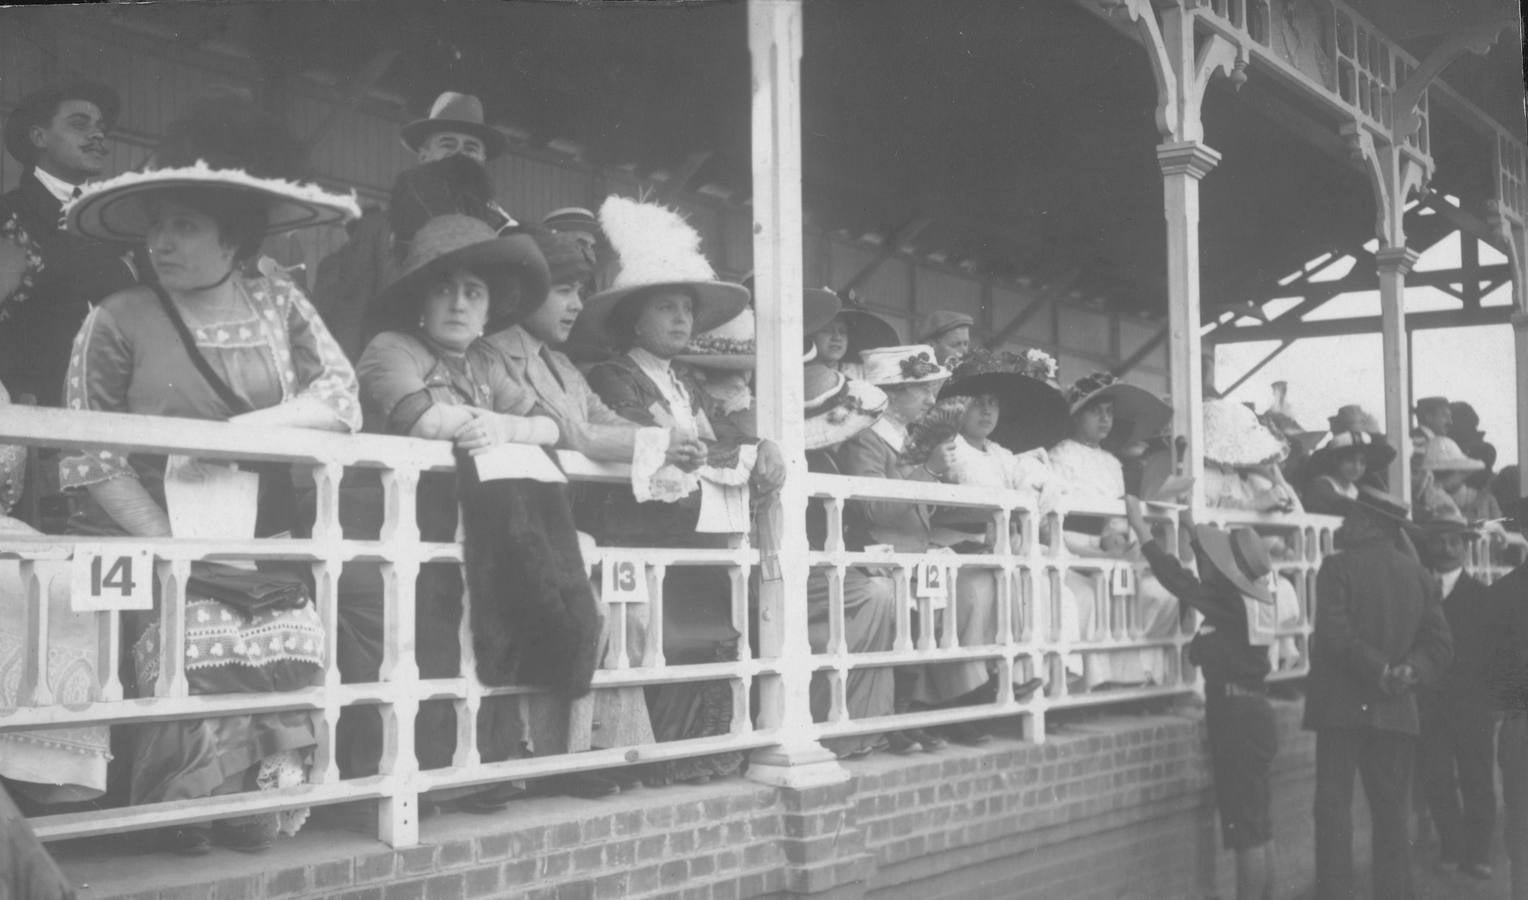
point(1507, 678)
point(1380, 633)
point(48, 278)
point(1457, 758)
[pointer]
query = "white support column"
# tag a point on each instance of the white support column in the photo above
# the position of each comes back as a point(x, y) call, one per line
point(774, 42)
point(1184, 165)
point(1393, 264)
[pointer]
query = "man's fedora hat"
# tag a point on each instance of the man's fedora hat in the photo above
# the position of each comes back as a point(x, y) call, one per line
point(454, 112)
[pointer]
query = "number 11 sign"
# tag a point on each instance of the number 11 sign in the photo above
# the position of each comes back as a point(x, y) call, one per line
point(111, 576)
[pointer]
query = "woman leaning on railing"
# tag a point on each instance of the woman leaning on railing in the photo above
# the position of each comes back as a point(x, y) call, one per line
point(211, 343)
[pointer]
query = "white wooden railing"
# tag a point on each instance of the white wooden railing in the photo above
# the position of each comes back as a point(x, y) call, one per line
point(1027, 640)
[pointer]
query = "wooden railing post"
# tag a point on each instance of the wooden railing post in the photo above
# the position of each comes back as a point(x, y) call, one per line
point(774, 41)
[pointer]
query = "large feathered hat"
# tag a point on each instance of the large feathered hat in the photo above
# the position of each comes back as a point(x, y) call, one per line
point(658, 249)
point(222, 144)
point(1143, 413)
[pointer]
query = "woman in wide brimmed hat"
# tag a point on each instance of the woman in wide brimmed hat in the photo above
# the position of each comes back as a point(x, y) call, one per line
point(1105, 412)
point(663, 294)
point(990, 393)
point(419, 379)
point(1242, 459)
point(1345, 461)
point(1446, 469)
point(840, 342)
point(237, 347)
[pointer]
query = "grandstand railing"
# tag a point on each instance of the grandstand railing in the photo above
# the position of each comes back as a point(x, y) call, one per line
point(1028, 552)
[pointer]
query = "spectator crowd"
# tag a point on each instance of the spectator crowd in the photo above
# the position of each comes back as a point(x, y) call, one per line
point(607, 332)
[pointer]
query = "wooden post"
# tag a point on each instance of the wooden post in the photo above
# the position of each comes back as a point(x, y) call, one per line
point(774, 42)
point(1393, 264)
point(1183, 165)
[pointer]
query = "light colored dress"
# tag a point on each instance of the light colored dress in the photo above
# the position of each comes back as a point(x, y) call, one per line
point(991, 465)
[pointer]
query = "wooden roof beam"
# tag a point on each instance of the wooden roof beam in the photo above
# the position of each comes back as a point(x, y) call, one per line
point(369, 76)
point(1049, 294)
point(903, 235)
point(1424, 321)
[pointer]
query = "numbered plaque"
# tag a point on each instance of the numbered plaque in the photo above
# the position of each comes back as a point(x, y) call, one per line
point(1122, 581)
point(931, 581)
point(623, 579)
point(111, 576)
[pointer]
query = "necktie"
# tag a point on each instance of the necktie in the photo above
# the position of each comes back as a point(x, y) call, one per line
point(546, 358)
point(75, 195)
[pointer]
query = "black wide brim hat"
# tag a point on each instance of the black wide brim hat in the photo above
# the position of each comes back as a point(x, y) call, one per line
point(34, 107)
point(1377, 453)
point(510, 264)
point(867, 331)
point(1031, 413)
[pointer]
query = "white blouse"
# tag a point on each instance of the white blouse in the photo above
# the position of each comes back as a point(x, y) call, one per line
point(996, 466)
point(1092, 476)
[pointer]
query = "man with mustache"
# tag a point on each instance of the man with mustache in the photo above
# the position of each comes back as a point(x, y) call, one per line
point(49, 279)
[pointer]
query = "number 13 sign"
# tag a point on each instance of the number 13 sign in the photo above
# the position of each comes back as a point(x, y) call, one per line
point(623, 580)
point(111, 576)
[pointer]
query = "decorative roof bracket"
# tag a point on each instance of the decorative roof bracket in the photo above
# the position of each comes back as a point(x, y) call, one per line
point(1396, 173)
point(1181, 65)
point(1478, 39)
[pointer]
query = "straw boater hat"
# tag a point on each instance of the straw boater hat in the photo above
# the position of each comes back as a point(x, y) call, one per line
point(941, 322)
point(837, 407)
point(1240, 556)
point(1443, 455)
point(1032, 412)
point(909, 364)
point(572, 218)
point(1142, 410)
point(454, 112)
point(511, 265)
point(732, 345)
point(221, 145)
point(1235, 437)
point(658, 250)
point(36, 108)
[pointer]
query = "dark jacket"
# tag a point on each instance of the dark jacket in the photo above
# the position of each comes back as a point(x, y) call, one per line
point(1222, 651)
point(1375, 606)
point(535, 620)
point(1467, 609)
point(37, 332)
point(627, 390)
point(1507, 671)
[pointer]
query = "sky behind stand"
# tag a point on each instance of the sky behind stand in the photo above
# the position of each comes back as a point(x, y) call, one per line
point(1474, 364)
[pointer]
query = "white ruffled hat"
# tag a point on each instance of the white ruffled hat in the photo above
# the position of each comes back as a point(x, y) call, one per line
point(1233, 436)
point(113, 210)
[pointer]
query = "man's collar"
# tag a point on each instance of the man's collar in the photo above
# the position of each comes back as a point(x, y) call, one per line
point(1450, 580)
point(61, 190)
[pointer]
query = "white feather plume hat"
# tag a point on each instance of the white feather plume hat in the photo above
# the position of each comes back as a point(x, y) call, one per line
point(657, 249)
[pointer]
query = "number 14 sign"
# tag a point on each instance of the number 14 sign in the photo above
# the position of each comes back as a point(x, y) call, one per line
point(111, 576)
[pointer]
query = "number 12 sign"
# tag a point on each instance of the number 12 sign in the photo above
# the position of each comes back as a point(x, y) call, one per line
point(111, 576)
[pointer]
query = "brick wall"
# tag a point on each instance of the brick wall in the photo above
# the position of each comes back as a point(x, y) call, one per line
point(1115, 808)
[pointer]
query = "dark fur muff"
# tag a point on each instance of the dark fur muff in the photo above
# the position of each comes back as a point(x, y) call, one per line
point(535, 620)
